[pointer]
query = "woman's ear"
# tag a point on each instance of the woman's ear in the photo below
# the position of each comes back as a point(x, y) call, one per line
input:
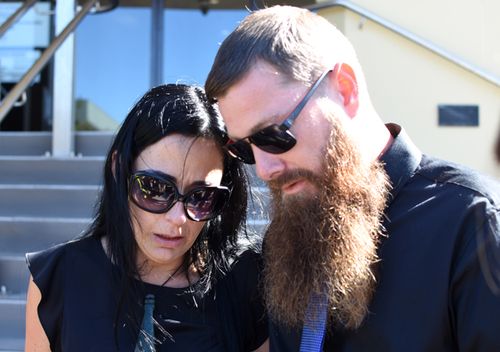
point(347, 87)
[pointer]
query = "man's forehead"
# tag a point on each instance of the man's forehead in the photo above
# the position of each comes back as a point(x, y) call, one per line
point(259, 76)
point(245, 124)
point(265, 68)
point(251, 103)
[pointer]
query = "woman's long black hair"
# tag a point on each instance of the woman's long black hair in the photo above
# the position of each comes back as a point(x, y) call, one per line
point(164, 110)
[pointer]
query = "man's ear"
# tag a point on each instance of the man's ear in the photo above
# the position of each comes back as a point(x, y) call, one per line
point(347, 87)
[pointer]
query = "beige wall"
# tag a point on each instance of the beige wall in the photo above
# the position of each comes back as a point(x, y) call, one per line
point(408, 82)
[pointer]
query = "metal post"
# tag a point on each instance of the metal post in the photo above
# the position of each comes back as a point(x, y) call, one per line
point(156, 42)
point(63, 140)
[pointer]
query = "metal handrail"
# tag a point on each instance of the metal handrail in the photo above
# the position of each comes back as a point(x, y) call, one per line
point(7, 103)
point(16, 16)
point(488, 76)
point(93, 6)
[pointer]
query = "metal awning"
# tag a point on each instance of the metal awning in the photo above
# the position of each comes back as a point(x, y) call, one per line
point(216, 4)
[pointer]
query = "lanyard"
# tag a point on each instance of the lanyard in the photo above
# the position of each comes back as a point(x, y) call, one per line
point(145, 342)
point(313, 332)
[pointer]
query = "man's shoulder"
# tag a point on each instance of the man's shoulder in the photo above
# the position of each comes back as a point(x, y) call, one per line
point(464, 179)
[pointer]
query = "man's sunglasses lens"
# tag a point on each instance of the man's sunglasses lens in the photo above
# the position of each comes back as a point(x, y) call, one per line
point(242, 151)
point(272, 139)
point(158, 196)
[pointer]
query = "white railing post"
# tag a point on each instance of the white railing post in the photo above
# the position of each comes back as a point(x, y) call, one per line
point(63, 114)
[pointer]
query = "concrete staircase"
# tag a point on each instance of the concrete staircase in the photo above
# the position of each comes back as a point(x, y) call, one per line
point(45, 201)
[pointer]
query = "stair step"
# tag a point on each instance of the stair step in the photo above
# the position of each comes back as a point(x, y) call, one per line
point(87, 143)
point(8, 344)
point(78, 201)
point(12, 320)
point(19, 235)
point(25, 143)
point(93, 143)
point(14, 274)
point(48, 200)
point(86, 170)
point(46, 170)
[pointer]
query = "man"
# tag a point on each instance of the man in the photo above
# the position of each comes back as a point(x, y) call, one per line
point(392, 250)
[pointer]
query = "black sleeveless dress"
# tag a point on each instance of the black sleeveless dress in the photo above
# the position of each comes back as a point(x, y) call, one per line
point(79, 300)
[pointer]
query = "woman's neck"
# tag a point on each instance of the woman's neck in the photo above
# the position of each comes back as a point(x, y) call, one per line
point(176, 275)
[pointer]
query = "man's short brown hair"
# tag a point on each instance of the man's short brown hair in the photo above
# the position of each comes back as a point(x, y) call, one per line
point(297, 42)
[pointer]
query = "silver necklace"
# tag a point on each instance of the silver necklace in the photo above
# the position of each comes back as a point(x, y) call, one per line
point(172, 275)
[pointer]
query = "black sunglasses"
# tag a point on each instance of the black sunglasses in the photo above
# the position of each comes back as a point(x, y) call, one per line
point(157, 194)
point(274, 139)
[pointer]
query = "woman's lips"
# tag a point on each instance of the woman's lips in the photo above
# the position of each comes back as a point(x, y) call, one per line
point(168, 241)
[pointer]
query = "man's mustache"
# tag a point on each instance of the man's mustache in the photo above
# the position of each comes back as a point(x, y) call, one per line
point(291, 176)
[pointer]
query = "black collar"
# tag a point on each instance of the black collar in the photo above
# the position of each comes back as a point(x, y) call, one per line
point(401, 159)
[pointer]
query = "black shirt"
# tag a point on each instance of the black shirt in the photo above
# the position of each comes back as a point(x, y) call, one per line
point(79, 301)
point(439, 266)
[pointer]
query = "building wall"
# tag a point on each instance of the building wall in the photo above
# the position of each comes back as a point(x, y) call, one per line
point(408, 82)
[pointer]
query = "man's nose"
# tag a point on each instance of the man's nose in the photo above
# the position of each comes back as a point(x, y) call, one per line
point(267, 166)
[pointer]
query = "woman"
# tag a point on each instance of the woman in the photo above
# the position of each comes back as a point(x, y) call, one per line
point(158, 269)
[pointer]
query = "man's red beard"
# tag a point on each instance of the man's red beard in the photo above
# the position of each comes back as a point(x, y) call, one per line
point(327, 242)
